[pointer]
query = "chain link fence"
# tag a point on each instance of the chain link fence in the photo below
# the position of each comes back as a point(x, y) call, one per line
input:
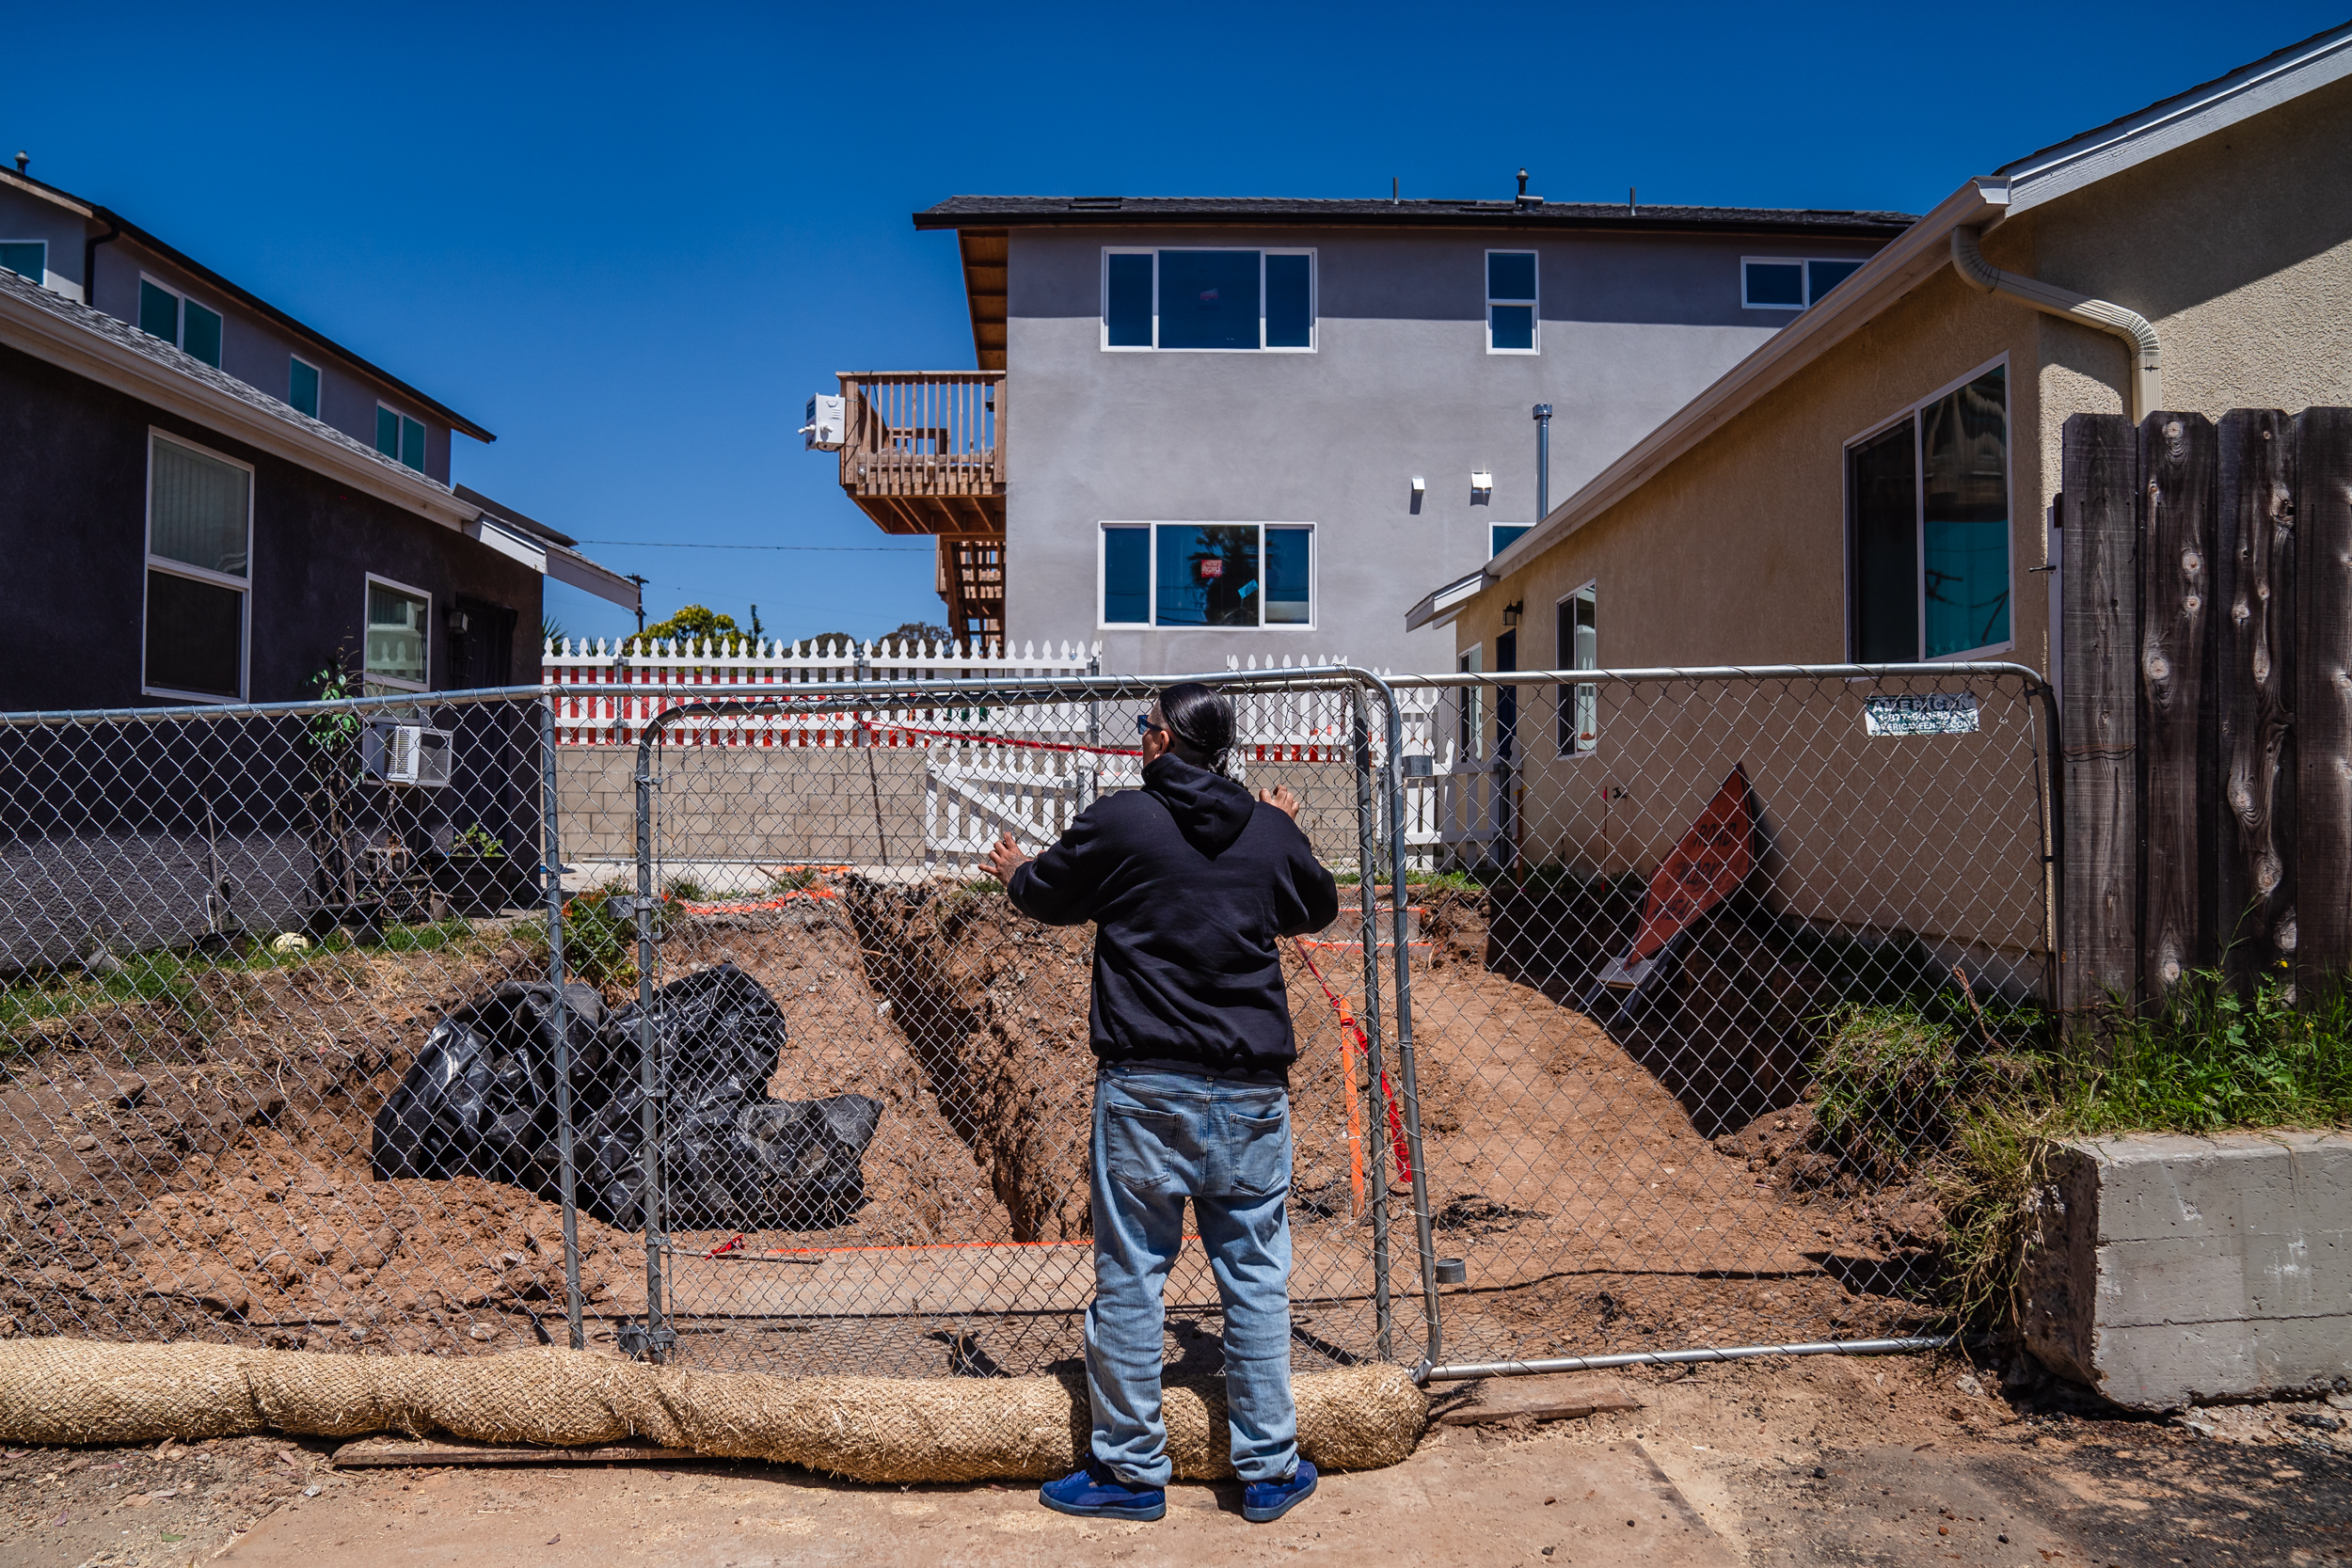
point(1637, 1066)
point(227, 936)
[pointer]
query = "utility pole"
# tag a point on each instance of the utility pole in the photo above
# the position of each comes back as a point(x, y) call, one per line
point(1543, 461)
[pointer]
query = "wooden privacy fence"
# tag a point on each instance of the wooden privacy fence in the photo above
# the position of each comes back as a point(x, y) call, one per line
point(2206, 650)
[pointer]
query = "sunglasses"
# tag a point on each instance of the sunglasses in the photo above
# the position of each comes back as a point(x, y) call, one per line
point(1145, 726)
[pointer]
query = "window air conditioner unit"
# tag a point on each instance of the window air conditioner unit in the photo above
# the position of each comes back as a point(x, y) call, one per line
point(828, 423)
point(406, 754)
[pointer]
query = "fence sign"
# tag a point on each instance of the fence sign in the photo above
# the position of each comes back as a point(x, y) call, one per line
point(1927, 713)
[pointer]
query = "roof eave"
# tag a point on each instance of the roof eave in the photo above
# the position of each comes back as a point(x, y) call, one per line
point(243, 296)
point(1861, 229)
point(2173, 122)
point(59, 342)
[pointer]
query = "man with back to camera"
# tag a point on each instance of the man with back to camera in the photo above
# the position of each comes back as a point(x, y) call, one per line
point(1191, 884)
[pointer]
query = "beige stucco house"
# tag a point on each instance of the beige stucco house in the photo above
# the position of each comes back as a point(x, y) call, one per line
point(1875, 483)
point(2221, 216)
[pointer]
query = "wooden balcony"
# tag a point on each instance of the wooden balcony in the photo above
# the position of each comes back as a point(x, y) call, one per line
point(925, 450)
point(924, 453)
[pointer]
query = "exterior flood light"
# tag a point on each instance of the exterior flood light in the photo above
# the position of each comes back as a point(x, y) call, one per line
point(1420, 485)
point(1482, 480)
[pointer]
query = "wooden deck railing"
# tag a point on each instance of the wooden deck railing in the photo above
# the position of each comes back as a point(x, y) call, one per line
point(925, 450)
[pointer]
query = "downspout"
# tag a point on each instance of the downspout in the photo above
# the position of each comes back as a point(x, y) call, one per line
point(90, 262)
point(2146, 385)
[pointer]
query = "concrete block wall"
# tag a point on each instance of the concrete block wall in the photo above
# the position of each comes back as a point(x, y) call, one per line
point(2164, 1270)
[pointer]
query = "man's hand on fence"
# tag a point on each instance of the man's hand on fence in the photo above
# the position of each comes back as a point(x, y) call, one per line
point(1280, 797)
point(1006, 859)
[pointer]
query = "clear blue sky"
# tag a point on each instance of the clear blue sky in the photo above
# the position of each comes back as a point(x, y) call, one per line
point(632, 241)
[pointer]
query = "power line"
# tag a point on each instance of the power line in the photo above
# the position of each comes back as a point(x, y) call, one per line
point(681, 545)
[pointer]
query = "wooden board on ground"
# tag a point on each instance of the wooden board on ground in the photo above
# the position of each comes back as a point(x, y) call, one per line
point(1553, 1396)
point(367, 1453)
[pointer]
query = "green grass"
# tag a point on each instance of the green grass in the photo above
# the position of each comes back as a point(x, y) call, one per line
point(171, 978)
point(2208, 1061)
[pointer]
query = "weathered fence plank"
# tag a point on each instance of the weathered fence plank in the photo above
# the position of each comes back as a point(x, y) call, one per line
point(2099, 903)
point(2176, 506)
point(2323, 693)
point(2254, 887)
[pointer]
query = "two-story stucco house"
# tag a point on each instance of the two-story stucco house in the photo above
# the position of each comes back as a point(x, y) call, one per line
point(202, 498)
point(1258, 428)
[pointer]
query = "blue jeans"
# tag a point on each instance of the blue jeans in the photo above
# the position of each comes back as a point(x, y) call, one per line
point(1160, 1138)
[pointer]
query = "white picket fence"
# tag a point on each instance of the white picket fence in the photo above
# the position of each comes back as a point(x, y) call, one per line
point(1027, 768)
point(635, 688)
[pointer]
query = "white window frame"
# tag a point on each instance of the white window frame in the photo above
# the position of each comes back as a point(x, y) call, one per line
point(1536, 306)
point(1804, 277)
point(1151, 574)
point(319, 371)
point(1583, 691)
point(1919, 511)
point(154, 563)
point(43, 278)
point(393, 683)
point(1315, 298)
point(180, 320)
point(397, 414)
point(1470, 713)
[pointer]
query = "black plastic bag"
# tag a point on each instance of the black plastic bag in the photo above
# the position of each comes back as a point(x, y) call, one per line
point(480, 1101)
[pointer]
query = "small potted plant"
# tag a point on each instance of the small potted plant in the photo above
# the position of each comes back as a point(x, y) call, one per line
point(478, 876)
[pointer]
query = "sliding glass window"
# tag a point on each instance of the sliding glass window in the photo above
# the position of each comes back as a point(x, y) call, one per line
point(1223, 575)
point(1215, 300)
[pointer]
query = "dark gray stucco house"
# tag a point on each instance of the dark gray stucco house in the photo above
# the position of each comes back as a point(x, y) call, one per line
point(201, 498)
point(1258, 428)
point(204, 502)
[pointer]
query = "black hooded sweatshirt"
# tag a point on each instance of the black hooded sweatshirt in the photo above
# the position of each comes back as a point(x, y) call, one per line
point(1191, 883)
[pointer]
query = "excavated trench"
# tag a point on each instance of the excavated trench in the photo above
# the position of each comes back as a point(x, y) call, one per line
point(198, 1167)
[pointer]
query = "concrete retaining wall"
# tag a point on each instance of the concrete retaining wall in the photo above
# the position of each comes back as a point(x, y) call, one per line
point(2164, 1270)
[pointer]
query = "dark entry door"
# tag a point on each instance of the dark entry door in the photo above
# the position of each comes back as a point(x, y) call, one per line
point(481, 644)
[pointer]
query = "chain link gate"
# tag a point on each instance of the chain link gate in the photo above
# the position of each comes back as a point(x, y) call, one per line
point(1713, 956)
point(1652, 997)
point(823, 841)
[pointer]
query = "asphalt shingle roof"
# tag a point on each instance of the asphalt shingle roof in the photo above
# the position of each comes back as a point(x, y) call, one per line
point(961, 212)
point(120, 332)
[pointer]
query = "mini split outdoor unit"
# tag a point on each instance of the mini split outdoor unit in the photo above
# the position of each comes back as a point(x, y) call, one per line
point(828, 423)
point(406, 754)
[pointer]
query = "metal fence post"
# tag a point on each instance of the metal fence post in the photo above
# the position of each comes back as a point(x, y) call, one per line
point(649, 1069)
point(1367, 860)
point(1392, 789)
point(552, 871)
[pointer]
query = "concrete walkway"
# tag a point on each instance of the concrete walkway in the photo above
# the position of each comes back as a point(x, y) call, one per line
point(1459, 1502)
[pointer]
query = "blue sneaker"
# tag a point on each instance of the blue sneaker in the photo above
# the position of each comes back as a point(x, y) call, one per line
point(1264, 1500)
point(1095, 1493)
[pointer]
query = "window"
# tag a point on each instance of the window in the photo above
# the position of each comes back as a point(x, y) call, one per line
point(1789, 283)
point(27, 259)
point(180, 320)
point(398, 619)
point(1927, 528)
point(1208, 575)
point(302, 387)
point(1209, 299)
point(1510, 302)
point(400, 437)
point(1577, 648)
point(199, 529)
point(1501, 536)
